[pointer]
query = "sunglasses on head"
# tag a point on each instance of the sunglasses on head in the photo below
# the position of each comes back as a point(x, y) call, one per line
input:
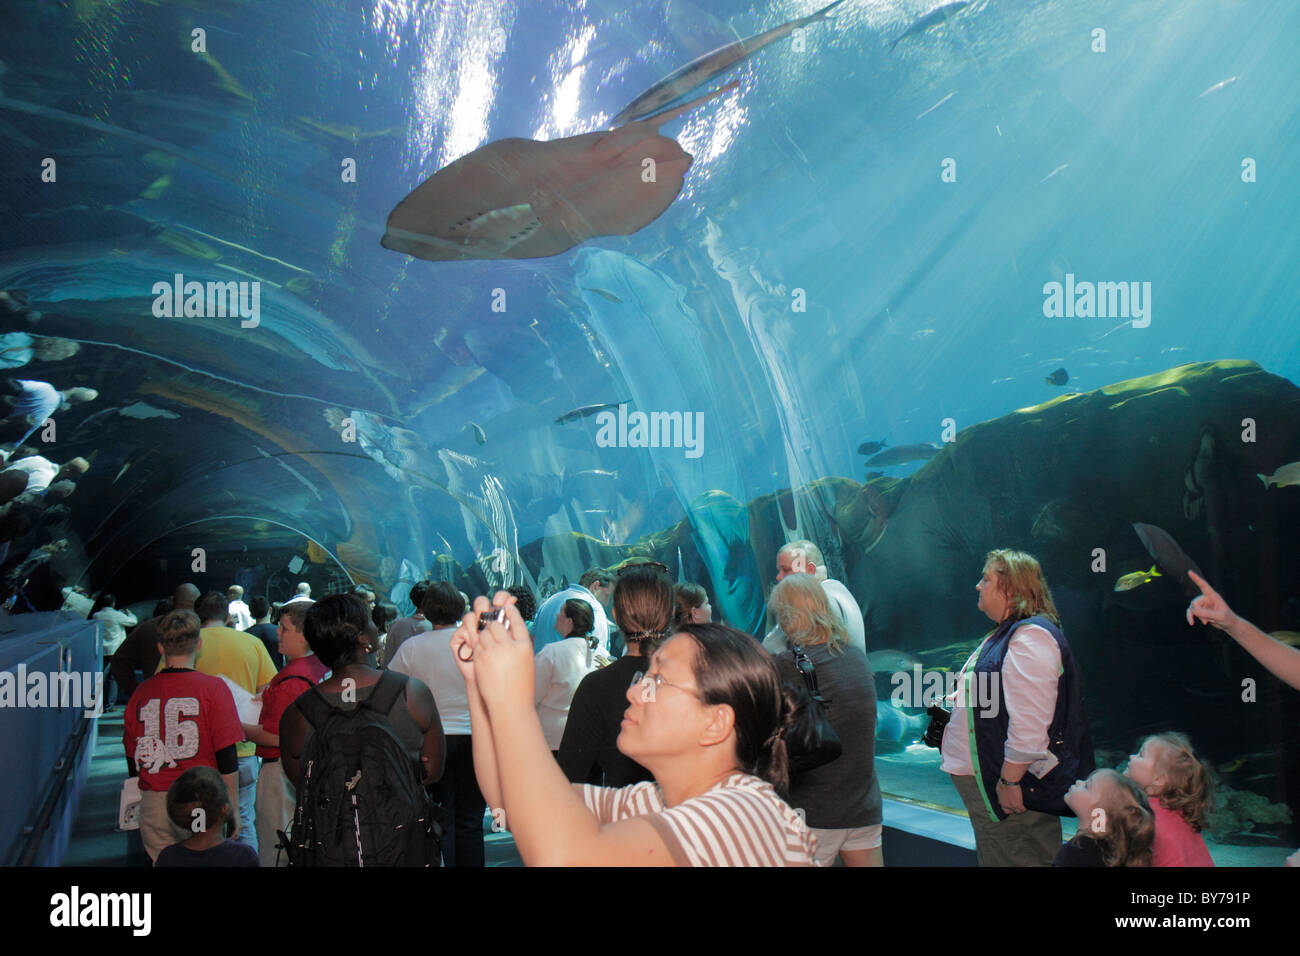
point(643, 564)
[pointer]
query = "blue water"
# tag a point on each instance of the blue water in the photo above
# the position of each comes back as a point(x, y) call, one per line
point(913, 204)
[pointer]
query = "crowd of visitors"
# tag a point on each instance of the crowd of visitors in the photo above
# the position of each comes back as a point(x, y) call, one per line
point(345, 735)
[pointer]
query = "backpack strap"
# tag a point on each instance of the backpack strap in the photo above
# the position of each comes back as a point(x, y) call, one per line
point(390, 687)
point(314, 707)
point(310, 682)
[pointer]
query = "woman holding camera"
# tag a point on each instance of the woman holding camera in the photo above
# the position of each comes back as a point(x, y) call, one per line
point(706, 720)
point(840, 799)
point(1018, 735)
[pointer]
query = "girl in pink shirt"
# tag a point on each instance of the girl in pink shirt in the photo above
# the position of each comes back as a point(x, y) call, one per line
point(1178, 787)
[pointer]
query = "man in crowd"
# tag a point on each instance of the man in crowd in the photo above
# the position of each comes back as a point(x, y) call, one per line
point(243, 659)
point(139, 652)
point(804, 557)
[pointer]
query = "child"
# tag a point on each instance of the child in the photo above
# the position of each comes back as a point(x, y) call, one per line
point(176, 720)
point(199, 803)
point(275, 795)
point(1178, 786)
point(1116, 827)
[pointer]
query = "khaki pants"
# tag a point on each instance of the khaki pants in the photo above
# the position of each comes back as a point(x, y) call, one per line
point(276, 800)
point(157, 831)
point(1022, 839)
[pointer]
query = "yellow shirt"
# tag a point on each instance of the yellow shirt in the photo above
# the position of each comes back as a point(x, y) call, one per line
point(241, 657)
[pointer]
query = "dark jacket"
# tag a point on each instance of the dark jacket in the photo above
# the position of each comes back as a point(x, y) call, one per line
point(1068, 735)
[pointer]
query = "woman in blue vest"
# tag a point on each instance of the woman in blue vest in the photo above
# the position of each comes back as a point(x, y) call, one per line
point(1018, 736)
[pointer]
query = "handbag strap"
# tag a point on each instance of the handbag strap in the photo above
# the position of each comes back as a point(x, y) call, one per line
point(809, 673)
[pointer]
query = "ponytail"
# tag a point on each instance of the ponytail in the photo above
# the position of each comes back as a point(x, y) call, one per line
point(774, 757)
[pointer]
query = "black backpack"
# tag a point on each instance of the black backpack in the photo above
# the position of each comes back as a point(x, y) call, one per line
point(360, 802)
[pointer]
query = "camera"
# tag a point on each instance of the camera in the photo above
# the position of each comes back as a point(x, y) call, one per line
point(494, 616)
point(938, 721)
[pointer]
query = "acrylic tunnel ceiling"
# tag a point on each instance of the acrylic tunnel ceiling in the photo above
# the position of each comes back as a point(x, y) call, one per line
point(858, 250)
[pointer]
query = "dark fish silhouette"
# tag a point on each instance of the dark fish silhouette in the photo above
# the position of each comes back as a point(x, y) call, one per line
point(586, 411)
point(604, 295)
point(480, 436)
point(936, 16)
point(1059, 377)
point(1166, 553)
point(871, 447)
point(524, 199)
point(900, 454)
point(682, 81)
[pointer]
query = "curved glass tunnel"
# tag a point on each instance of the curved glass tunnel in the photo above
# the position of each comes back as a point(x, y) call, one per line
point(1020, 279)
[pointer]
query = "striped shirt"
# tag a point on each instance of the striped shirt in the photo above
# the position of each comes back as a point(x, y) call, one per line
point(740, 822)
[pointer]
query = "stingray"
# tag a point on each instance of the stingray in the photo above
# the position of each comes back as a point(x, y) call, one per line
point(524, 199)
point(1164, 550)
point(682, 81)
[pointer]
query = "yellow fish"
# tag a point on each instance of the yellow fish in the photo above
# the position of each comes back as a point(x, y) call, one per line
point(1286, 637)
point(1138, 578)
point(1286, 476)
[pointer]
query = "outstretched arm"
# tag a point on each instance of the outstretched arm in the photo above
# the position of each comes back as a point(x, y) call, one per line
point(551, 824)
point(1209, 607)
point(463, 646)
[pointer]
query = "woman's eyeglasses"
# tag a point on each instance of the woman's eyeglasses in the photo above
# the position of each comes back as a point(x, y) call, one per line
point(650, 683)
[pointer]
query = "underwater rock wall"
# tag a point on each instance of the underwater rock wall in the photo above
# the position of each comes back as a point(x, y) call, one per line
point(1058, 480)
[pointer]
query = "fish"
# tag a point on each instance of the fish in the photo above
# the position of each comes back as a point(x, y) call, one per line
point(900, 454)
point(586, 411)
point(143, 410)
point(1286, 476)
point(1164, 550)
point(890, 661)
point(871, 447)
point(593, 473)
point(1136, 579)
point(1291, 638)
point(1059, 377)
point(934, 17)
point(937, 105)
point(1058, 169)
point(524, 199)
point(896, 727)
point(480, 435)
point(1232, 767)
point(681, 81)
point(1218, 86)
point(348, 133)
point(605, 295)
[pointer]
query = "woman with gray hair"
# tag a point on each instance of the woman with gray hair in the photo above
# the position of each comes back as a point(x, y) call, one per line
point(840, 799)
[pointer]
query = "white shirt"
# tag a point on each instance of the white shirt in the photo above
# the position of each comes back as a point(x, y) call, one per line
point(40, 472)
point(77, 603)
point(842, 600)
point(560, 669)
point(115, 623)
point(1030, 674)
point(241, 618)
point(428, 656)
